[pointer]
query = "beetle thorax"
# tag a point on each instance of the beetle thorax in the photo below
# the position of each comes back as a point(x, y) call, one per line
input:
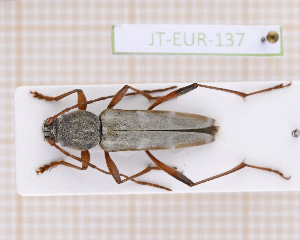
point(79, 130)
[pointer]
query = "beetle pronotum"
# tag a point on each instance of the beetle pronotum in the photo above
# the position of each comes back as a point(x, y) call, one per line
point(134, 130)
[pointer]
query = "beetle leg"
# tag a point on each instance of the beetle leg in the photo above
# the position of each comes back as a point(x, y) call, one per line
point(146, 170)
point(112, 168)
point(46, 167)
point(193, 86)
point(85, 155)
point(181, 177)
point(81, 97)
point(85, 162)
point(173, 172)
point(244, 95)
point(121, 93)
point(83, 103)
point(52, 143)
point(117, 176)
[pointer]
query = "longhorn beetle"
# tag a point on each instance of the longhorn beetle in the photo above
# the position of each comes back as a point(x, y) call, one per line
point(133, 130)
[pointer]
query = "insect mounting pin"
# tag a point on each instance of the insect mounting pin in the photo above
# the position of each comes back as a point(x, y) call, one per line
point(296, 133)
point(272, 37)
point(123, 130)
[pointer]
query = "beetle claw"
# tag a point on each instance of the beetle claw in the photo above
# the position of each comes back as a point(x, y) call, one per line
point(39, 171)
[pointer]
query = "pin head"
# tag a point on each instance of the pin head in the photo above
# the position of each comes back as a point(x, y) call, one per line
point(296, 133)
point(272, 37)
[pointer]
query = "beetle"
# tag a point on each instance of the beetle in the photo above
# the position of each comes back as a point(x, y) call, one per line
point(134, 130)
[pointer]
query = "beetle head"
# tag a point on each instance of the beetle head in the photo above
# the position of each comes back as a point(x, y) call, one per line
point(50, 130)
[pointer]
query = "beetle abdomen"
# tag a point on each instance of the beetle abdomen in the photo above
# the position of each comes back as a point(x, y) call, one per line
point(79, 130)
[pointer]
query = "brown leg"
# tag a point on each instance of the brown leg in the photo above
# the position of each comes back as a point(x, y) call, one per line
point(146, 170)
point(81, 97)
point(82, 104)
point(115, 172)
point(81, 100)
point(121, 93)
point(193, 86)
point(112, 168)
point(179, 176)
point(83, 161)
point(46, 167)
point(52, 143)
point(117, 176)
point(85, 155)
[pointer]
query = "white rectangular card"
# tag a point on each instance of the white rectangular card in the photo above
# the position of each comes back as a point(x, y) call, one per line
point(241, 40)
point(257, 130)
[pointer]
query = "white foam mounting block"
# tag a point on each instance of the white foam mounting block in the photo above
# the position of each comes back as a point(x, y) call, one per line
point(257, 130)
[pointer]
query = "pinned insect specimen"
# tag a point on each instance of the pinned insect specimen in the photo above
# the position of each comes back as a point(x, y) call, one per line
point(134, 130)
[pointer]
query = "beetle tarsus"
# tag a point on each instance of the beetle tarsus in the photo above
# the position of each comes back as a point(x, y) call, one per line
point(41, 96)
point(46, 167)
point(265, 169)
point(279, 86)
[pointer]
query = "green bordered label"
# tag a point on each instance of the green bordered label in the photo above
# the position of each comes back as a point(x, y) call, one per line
point(229, 40)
